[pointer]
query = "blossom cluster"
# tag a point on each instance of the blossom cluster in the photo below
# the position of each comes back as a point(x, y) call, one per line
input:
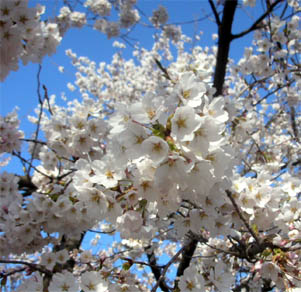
point(10, 135)
point(151, 153)
point(24, 36)
point(128, 16)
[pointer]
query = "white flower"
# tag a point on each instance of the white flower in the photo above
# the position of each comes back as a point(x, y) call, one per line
point(96, 127)
point(61, 205)
point(190, 90)
point(263, 196)
point(250, 3)
point(112, 29)
point(48, 260)
point(82, 143)
point(192, 280)
point(209, 131)
point(221, 159)
point(175, 168)
point(221, 278)
point(92, 281)
point(156, 148)
point(263, 45)
point(34, 283)
point(168, 200)
point(247, 202)
point(160, 16)
point(270, 270)
point(78, 19)
point(199, 220)
point(153, 107)
point(62, 256)
point(132, 138)
point(184, 123)
point(95, 200)
point(128, 17)
point(86, 256)
point(106, 172)
point(101, 7)
point(216, 110)
point(63, 282)
point(9, 134)
point(129, 223)
point(172, 32)
point(200, 177)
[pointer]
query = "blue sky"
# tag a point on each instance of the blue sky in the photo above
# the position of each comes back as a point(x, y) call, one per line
point(19, 88)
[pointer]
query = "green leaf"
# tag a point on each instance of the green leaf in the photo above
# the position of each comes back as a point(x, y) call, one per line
point(255, 228)
point(126, 266)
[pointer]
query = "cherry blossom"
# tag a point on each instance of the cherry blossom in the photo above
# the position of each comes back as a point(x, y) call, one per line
point(182, 166)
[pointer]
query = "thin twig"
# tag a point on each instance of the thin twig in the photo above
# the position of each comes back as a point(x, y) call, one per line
point(229, 194)
point(3, 275)
point(156, 269)
point(102, 232)
point(255, 25)
point(218, 22)
point(166, 75)
point(172, 260)
point(47, 98)
point(131, 261)
point(34, 141)
point(39, 120)
point(36, 169)
point(293, 123)
point(31, 265)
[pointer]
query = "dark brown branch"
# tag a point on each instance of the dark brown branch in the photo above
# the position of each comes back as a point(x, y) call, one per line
point(225, 37)
point(47, 98)
point(298, 161)
point(33, 266)
point(187, 254)
point(229, 194)
point(256, 24)
point(39, 120)
point(12, 272)
point(36, 169)
point(293, 123)
point(224, 40)
point(156, 270)
point(244, 283)
point(218, 22)
point(172, 260)
point(25, 184)
point(102, 232)
point(165, 73)
point(34, 141)
point(131, 262)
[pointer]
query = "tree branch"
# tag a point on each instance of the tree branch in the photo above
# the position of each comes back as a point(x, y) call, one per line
point(39, 120)
point(31, 265)
point(188, 252)
point(156, 270)
point(172, 260)
point(229, 194)
point(30, 164)
point(218, 22)
point(224, 40)
point(7, 274)
point(25, 184)
point(255, 25)
point(293, 123)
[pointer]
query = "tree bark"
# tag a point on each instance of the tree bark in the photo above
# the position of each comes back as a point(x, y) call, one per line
point(224, 40)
